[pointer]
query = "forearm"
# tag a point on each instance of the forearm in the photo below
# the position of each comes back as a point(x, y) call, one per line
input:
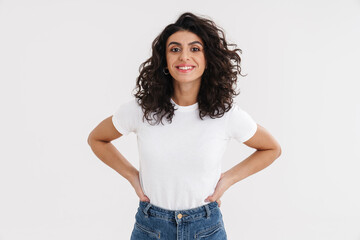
point(108, 153)
point(257, 161)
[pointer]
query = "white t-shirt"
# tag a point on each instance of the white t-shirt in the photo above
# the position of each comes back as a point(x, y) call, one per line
point(180, 163)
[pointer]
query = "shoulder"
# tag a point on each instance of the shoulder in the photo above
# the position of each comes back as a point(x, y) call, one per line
point(129, 104)
point(236, 109)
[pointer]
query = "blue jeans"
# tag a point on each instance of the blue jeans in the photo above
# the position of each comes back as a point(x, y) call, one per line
point(204, 222)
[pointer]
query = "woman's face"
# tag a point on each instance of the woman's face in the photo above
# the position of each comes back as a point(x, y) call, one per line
point(185, 56)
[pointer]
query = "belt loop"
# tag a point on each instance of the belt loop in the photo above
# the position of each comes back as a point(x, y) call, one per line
point(146, 209)
point(207, 210)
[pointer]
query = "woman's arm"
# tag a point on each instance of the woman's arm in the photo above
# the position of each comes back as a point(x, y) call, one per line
point(100, 142)
point(267, 151)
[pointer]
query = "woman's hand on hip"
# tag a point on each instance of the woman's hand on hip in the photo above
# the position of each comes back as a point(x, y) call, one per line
point(222, 185)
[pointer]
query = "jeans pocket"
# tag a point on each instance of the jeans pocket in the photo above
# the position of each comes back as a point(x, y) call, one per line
point(209, 231)
point(143, 232)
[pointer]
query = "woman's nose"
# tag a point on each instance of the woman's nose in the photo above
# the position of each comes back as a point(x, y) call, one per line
point(184, 55)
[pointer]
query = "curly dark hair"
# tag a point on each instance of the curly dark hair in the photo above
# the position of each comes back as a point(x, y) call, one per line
point(218, 82)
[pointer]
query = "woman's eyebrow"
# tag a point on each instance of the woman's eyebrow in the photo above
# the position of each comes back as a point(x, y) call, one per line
point(176, 43)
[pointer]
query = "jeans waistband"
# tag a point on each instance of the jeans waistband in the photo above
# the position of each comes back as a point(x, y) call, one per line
point(184, 215)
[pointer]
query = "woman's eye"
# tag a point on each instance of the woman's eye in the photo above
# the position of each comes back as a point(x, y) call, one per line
point(172, 50)
point(198, 49)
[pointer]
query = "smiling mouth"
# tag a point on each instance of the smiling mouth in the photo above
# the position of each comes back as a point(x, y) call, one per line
point(185, 69)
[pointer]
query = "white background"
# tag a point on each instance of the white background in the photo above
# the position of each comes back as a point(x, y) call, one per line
point(67, 65)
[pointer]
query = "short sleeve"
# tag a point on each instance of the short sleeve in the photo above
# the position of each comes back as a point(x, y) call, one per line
point(126, 117)
point(240, 125)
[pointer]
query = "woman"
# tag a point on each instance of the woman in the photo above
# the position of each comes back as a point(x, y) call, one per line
point(190, 79)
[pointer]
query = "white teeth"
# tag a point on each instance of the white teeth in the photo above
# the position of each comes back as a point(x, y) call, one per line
point(185, 68)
